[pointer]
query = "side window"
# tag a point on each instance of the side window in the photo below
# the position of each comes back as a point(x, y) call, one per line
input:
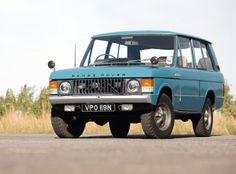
point(185, 57)
point(199, 58)
point(123, 52)
point(207, 57)
point(119, 51)
point(114, 49)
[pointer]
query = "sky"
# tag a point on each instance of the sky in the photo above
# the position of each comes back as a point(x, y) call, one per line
point(33, 32)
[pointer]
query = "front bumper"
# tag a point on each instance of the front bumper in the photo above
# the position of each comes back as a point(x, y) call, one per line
point(100, 99)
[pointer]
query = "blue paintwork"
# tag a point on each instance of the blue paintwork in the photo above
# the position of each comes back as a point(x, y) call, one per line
point(189, 90)
point(104, 71)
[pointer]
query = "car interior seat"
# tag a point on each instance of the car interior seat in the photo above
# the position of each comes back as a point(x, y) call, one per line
point(183, 62)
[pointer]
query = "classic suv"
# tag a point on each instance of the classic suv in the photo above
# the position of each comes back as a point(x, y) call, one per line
point(152, 77)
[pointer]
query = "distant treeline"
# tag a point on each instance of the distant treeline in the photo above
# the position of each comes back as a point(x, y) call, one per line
point(229, 108)
point(27, 103)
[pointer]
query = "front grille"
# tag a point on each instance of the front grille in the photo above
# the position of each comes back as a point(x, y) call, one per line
point(99, 86)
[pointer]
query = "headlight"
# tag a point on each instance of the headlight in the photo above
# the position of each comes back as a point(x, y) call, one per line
point(133, 86)
point(64, 88)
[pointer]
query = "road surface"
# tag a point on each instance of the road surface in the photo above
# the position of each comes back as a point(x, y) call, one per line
point(42, 154)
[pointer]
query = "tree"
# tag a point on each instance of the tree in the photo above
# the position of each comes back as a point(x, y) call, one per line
point(25, 99)
point(229, 107)
point(10, 100)
point(42, 104)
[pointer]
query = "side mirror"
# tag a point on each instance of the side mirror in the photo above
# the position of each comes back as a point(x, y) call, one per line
point(217, 67)
point(51, 64)
point(154, 60)
point(158, 60)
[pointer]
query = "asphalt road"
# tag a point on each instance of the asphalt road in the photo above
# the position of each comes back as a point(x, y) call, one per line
point(41, 154)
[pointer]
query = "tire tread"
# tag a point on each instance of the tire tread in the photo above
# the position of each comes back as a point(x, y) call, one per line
point(148, 123)
point(199, 125)
point(61, 129)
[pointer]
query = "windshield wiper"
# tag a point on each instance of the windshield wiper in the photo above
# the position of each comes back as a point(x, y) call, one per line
point(103, 62)
point(112, 62)
point(134, 61)
point(137, 61)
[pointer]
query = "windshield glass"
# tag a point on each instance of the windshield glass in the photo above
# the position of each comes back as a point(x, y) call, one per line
point(130, 50)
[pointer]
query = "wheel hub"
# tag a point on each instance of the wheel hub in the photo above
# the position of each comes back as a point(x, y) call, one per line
point(207, 118)
point(162, 117)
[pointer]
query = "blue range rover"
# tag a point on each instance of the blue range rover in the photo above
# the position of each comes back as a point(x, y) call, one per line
point(152, 77)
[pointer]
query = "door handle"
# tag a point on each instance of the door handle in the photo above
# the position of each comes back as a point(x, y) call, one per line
point(177, 75)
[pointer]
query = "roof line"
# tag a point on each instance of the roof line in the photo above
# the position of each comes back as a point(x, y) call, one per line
point(146, 32)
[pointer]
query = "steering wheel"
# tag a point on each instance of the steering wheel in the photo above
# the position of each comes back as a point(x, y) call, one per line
point(109, 55)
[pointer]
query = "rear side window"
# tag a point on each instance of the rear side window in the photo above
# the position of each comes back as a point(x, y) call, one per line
point(185, 53)
point(199, 58)
point(202, 58)
point(208, 60)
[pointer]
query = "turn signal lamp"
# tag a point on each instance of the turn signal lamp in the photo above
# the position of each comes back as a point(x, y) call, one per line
point(53, 87)
point(147, 85)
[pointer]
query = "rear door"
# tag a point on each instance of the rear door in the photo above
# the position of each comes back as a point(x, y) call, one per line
point(189, 84)
point(210, 78)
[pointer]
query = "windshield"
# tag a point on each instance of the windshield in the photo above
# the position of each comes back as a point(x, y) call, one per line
point(130, 50)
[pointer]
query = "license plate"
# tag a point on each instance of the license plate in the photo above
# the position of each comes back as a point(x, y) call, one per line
point(98, 108)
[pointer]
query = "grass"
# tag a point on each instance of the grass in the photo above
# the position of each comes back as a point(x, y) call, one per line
point(16, 122)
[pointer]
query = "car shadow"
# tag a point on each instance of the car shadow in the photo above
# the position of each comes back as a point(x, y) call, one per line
point(138, 136)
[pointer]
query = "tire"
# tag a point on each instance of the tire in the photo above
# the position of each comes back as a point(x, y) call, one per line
point(119, 128)
point(160, 122)
point(67, 128)
point(202, 124)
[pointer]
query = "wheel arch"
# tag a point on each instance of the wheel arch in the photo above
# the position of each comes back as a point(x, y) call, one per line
point(166, 90)
point(211, 95)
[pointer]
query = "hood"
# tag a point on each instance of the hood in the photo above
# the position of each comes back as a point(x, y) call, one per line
point(105, 72)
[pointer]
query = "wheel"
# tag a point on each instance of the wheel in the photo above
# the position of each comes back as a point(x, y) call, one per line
point(159, 123)
point(202, 124)
point(119, 128)
point(67, 128)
